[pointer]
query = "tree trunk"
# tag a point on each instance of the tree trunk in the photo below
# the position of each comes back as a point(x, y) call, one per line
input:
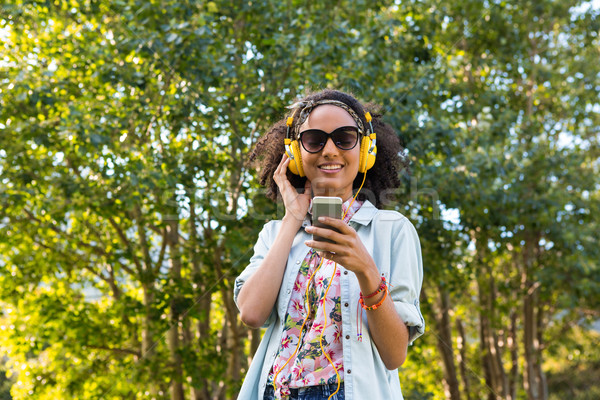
point(147, 322)
point(254, 343)
point(444, 341)
point(541, 376)
point(173, 340)
point(175, 358)
point(514, 356)
point(494, 371)
point(534, 379)
point(147, 333)
point(233, 338)
point(232, 331)
point(204, 306)
point(188, 340)
point(462, 358)
point(202, 296)
point(495, 375)
point(236, 352)
point(445, 347)
point(530, 382)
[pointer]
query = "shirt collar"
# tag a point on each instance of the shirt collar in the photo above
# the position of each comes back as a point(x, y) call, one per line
point(365, 213)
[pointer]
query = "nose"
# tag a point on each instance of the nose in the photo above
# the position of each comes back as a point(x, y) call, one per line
point(330, 148)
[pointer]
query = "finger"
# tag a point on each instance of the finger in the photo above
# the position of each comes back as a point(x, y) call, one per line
point(334, 256)
point(320, 246)
point(282, 164)
point(279, 176)
point(285, 159)
point(340, 238)
point(328, 255)
point(338, 224)
point(326, 247)
point(322, 232)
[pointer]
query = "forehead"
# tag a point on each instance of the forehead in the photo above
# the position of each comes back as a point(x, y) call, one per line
point(328, 117)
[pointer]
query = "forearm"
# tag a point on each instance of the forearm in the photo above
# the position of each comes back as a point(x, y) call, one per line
point(259, 293)
point(388, 331)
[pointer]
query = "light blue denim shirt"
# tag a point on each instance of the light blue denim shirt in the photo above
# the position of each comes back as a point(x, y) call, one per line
point(393, 243)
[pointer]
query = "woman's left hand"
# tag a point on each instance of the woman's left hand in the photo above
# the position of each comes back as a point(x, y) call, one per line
point(348, 250)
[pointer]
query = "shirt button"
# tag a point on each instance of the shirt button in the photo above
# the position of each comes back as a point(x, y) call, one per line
point(345, 272)
point(347, 337)
point(297, 262)
point(289, 291)
point(349, 371)
point(345, 304)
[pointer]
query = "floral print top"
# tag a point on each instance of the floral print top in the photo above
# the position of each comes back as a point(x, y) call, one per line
point(308, 366)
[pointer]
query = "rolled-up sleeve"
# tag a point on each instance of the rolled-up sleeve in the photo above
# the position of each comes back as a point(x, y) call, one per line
point(407, 277)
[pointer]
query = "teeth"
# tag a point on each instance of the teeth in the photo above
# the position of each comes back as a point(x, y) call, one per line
point(330, 167)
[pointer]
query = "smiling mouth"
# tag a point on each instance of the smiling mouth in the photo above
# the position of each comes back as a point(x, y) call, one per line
point(330, 167)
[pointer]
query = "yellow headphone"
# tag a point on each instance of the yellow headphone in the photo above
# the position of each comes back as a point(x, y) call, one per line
point(292, 148)
point(368, 148)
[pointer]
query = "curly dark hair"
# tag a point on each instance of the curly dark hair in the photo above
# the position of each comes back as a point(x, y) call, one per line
point(384, 175)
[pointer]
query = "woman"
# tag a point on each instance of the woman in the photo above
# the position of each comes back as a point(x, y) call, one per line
point(338, 320)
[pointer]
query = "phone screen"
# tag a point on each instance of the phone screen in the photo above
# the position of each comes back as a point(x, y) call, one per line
point(325, 206)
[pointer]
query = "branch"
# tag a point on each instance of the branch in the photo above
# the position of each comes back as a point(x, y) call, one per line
point(143, 238)
point(127, 244)
point(163, 248)
point(109, 280)
point(193, 241)
point(98, 250)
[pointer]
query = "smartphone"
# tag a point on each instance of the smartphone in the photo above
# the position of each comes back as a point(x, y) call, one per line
point(325, 206)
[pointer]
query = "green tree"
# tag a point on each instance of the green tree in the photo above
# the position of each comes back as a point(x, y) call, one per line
point(518, 159)
point(127, 207)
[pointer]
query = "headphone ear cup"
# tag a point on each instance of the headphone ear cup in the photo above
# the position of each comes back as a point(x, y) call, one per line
point(367, 158)
point(295, 165)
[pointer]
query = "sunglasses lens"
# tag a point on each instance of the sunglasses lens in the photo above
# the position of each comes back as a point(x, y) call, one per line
point(345, 138)
point(313, 140)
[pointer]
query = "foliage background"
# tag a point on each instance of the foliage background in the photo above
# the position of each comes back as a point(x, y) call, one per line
point(127, 208)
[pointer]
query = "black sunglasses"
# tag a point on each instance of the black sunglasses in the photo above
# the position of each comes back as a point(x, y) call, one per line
point(344, 138)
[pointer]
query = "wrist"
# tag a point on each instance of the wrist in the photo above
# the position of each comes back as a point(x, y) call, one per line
point(368, 280)
point(290, 219)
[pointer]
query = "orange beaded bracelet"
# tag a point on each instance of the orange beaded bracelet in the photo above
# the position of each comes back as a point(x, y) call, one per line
point(361, 300)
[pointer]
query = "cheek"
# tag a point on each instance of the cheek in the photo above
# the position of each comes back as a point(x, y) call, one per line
point(307, 158)
point(308, 163)
point(354, 158)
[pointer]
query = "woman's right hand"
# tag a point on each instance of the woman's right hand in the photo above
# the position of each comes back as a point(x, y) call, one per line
point(259, 293)
point(296, 204)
